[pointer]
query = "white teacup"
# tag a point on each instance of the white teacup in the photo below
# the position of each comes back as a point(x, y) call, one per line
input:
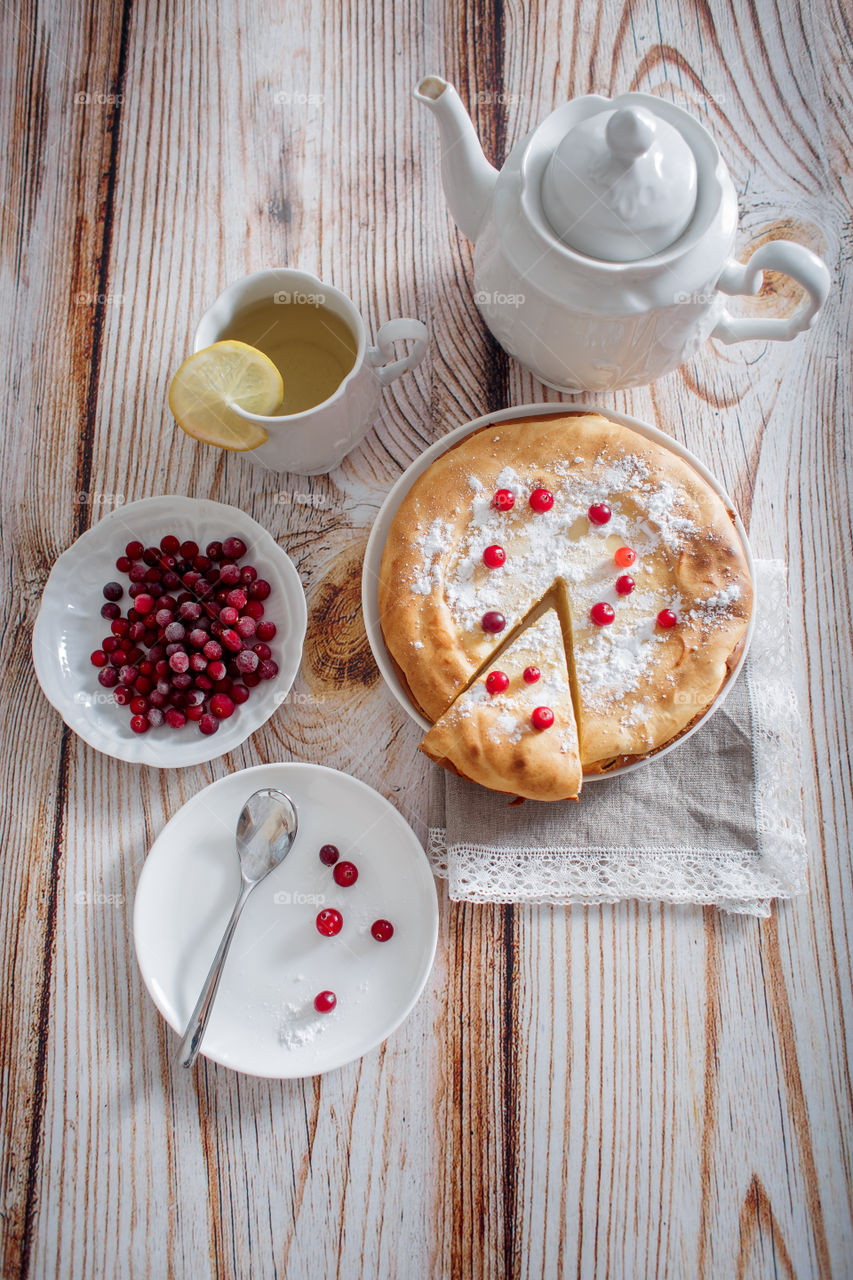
point(314, 441)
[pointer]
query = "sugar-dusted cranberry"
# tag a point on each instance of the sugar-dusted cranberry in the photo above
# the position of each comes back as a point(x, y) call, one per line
point(110, 611)
point(156, 717)
point(504, 500)
point(208, 724)
point(221, 706)
point(382, 930)
point(541, 500)
point(239, 694)
point(497, 681)
point(134, 550)
point(602, 613)
point(113, 591)
point(229, 574)
point(108, 677)
point(247, 662)
point(266, 630)
point(190, 611)
point(542, 718)
point(231, 640)
point(139, 724)
point(325, 1001)
point(329, 922)
point(175, 719)
point(345, 874)
point(98, 658)
point(531, 674)
point(667, 618)
point(175, 631)
point(599, 513)
point(245, 627)
point(199, 638)
point(216, 670)
point(267, 670)
point(234, 548)
point(144, 603)
point(493, 621)
point(494, 556)
point(236, 598)
point(127, 673)
point(228, 616)
point(625, 584)
point(179, 661)
point(198, 662)
point(211, 648)
point(624, 557)
point(329, 854)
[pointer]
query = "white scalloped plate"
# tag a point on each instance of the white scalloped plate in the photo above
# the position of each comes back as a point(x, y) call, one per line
point(263, 1021)
point(382, 523)
point(69, 627)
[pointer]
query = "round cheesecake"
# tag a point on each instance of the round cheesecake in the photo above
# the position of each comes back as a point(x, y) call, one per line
point(638, 553)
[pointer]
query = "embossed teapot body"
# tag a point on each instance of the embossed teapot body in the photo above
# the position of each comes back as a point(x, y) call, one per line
point(603, 247)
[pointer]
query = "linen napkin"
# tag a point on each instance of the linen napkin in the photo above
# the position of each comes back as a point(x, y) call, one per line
point(719, 819)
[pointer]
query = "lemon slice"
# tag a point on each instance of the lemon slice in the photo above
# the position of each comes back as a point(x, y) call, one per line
point(213, 383)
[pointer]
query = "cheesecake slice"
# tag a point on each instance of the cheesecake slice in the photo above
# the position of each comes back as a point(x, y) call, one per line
point(514, 728)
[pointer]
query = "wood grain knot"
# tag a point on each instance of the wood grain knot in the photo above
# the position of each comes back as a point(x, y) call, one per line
point(779, 294)
point(337, 653)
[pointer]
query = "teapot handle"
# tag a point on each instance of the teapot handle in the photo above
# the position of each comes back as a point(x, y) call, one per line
point(796, 261)
point(402, 330)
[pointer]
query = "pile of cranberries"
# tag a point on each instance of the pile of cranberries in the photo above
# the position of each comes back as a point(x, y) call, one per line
point(194, 641)
point(329, 921)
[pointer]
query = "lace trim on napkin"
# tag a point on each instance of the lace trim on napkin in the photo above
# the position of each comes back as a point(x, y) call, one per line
point(741, 881)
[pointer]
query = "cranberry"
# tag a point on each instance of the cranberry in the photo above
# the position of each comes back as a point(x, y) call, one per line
point(122, 695)
point(199, 639)
point(542, 718)
point(190, 611)
point(231, 640)
point(504, 500)
point(208, 724)
point(113, 591)
point(127, 674)
point(345, 874)
point(254, 608)
point(195, 713)
point(497, 681)
point(211, 649)
point(110, 643)
point(251, 681)
point(382, 930)
point(170, 544)
point(171, 581)
point(123, 564)
point(98, 658)
point(667, 619)
point(266, 630)
point(182, 680)
point(267, 670)
point(179, 661)
point(262, 650)
point(541, 500)
point(229, 615)
point(175, 631)
point(248, 574)
point(246, 627)
point(213, 550)
point(151, 555)
point(494, 556)
point(163, 617)
point(203, 681)
point(158, 699)
point(493, 621)
point(175, 719)
point(189, 549)
point(602, 614)
point(221, 706)
point(229, 574)
point(259, 589)
point(329, 922)
point(198, 662)
point(531, 674)
point(624, 557)
point(139, 705)
point(625, 584)
point(329, 854)
point(137, 572)
point(110, 611)
point(144, 603)
point(108, 677)
point(155, 717)
point(237, 598)
point(234, 548)
point(216, 671)
point(599, 513)
point(239, 694)
point(325, 1001)
point(118, 657)
point(134, 550)
point(247, 662)
point(139, 724)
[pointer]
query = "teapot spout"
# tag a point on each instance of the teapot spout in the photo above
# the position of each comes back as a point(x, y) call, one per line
point(466, 174)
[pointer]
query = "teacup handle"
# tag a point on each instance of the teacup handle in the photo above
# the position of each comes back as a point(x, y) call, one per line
point(402, 330)
point(796, 261)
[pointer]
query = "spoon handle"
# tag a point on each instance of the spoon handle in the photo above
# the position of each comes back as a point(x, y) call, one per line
point(191, 1043)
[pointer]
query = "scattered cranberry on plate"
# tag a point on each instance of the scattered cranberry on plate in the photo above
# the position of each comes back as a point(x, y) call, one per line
point(345, 874)
point(382, 930)
point(325, 1001)
point(329, 854)
point(329, 922)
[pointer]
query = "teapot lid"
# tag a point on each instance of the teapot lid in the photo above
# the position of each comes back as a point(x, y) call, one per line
point(621, 185)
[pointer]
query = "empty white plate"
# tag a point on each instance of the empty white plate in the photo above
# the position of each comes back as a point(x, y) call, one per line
point(263, 1021)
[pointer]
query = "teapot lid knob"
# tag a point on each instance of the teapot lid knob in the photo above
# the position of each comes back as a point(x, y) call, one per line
point(621, 185)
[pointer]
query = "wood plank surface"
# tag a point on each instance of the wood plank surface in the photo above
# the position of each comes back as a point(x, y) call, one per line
point(625, 1091)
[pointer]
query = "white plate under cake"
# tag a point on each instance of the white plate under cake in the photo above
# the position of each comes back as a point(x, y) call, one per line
point(637, 551)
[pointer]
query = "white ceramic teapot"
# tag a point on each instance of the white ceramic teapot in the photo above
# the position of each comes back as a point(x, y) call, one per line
point(603, 247)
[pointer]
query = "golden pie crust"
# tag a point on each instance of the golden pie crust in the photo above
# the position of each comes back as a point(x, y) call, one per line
point(638, 686)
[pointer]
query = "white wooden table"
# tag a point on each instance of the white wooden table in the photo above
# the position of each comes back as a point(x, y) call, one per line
point(628, 1092)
